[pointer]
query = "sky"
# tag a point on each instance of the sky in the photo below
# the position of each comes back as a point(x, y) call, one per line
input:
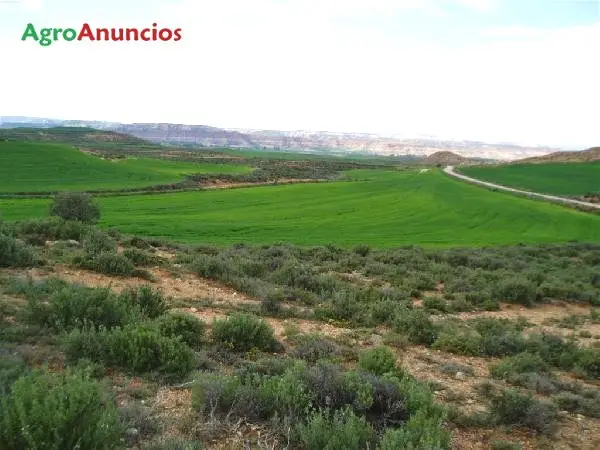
point(522, 71)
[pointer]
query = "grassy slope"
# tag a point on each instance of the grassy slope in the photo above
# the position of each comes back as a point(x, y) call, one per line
point(378, 208)
point(42, 167)
point(558, 179)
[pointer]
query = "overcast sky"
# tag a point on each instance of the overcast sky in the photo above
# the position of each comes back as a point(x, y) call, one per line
point(522, 71)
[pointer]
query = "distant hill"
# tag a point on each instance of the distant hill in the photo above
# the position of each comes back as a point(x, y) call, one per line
point(445, 158)
point(295, 141)
point(76, 136)
point(589, 155)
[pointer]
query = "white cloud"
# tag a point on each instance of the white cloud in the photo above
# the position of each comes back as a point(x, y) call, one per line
point(33, 5)
point(23, 5)
point(482, 6)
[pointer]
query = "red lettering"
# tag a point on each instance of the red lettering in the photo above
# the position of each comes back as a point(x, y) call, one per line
point(100, 32)
point(86, 32)
point(169, 34)
point(177, 34)
point(114, 36)
point(135, 33)
point(145, 31)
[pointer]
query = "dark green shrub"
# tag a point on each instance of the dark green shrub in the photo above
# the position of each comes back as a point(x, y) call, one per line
point(142, 349)
point(462, 342)
point(588, 362)
point(97, 242)
point(52, 228)
point(514, 408)
point(139, 348)
point(420, 432)
point(516, 290)
point(416, 324)
point(271, 301)
point(11, 368)
point(58, 411)
point(435, 304)
point(187, 327)
point(271, 366)
point(242, 332)
point(152, 303)
point(553, 349)
point(588, 406)
point(499, 337)
point(75, 306)
point(110, 263)
point(312, 348)
point(15, 253)
point(362, 250)
point(518, 364)
point(75, 206)
point(337, 430)
point(256, 395)
point(140, 258)
point(379, 360)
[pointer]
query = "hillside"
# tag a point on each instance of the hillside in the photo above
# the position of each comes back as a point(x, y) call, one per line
point(300, 140)
point(445, 157)
point(589, 155)
point(70, 135)
point(36, 167)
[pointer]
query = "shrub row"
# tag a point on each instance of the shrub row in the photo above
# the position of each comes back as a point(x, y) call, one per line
point(333, 408)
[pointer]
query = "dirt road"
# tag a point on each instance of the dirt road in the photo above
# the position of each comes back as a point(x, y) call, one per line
point(450, 171)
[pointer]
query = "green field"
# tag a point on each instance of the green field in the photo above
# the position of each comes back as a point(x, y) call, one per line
point(379, 208)
point(570, 179)
point(49, 167)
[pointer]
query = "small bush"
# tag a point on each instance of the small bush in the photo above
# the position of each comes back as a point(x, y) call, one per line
point(379, 360)
point(75, 206)
point(312, 348)
point(14, 253)
point(140, 258)
point(242, 332)
point(340, 430)
point(139, 348)
point(521, 363)
point(74, 307)
point(514, 408)
point(588, 363)
point(553, 349)
point(187, 327)
point(420, 432)
point(110, 263)
point(460, 342)
point(51, 228)
point(416, 324)
point(11, 368)
point(97, 242)
point(58, 411)
point(516, 290)
point(586, 405)
point(151, 303)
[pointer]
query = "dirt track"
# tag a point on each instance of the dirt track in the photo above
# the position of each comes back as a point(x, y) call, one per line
point(449, 170)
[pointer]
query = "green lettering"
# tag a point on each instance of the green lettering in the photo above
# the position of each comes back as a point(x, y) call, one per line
point(46, 33)
point(30, 32)
point(72, 34)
